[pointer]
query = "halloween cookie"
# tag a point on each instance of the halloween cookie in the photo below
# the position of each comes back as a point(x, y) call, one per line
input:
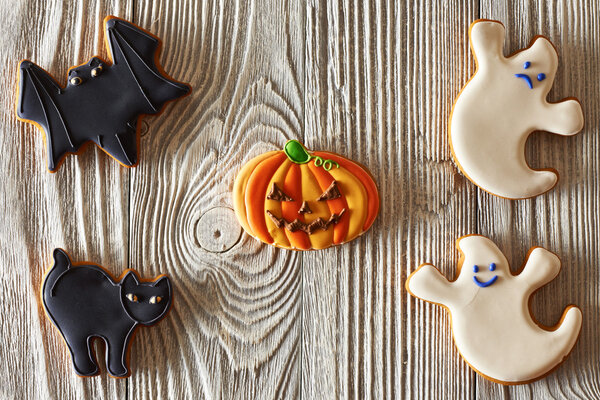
point(501, 105)
point(103, 101)
point(304, 200)
point(85, 302)
point(492, 324)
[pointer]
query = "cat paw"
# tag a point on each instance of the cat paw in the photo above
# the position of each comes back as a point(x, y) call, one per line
point(118, 371)
point(86, 369)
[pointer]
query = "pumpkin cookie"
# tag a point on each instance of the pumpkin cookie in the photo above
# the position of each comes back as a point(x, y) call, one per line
point(296, 199)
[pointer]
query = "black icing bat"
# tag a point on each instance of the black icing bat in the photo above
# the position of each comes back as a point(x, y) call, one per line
point(102, 102)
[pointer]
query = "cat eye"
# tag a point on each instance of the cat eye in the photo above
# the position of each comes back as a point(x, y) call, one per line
point(155, 299)
point(132, 297)
point(96, 71)
point(75, 81)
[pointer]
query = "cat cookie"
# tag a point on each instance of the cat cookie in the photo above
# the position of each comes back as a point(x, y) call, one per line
point(103, 101)
point(301, 200)
point(500, 106)
point(84, 302)
point(492, 324)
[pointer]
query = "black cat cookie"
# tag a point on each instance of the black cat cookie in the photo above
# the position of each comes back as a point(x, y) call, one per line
point(103, 101)
point(85, 302)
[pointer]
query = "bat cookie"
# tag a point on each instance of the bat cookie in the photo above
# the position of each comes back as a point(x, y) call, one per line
point(500, 106)
point(103, 102)
point(85, 302)
point(492, 324)
point(296, 199)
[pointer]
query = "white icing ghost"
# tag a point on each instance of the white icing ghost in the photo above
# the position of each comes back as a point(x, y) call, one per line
point(502, 104)
point(489, 309)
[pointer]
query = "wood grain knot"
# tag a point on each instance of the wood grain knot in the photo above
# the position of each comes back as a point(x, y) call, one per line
point(218, 230)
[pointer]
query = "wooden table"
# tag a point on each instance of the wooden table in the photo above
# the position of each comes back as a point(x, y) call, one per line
point(371, 80)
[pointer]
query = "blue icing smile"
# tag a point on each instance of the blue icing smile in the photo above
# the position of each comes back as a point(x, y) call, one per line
point(487, 283)
point(492, 267)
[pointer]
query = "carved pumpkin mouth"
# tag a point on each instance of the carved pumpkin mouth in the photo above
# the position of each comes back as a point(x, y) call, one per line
point(310, 228)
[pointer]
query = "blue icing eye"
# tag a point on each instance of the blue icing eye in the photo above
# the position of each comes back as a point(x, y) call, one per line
point(541, 77)
point(492, 267)
point(475, 268)
point(526, 65)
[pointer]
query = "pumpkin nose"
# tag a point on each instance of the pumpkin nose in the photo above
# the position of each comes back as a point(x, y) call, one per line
point(304, 209)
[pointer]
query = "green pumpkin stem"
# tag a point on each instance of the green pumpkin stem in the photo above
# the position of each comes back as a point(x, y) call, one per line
point(298, 154)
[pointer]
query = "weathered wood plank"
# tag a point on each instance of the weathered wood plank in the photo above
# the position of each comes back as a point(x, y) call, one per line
point(82, 208)
point(380, 82)
point(234, 329)
point(565, 219)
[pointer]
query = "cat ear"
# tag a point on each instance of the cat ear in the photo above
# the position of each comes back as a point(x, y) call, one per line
point(163, 283)
point(130, 280)
point(61, 259)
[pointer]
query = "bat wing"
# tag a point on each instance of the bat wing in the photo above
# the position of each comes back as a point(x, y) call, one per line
point(38, 103)
point(134, 51)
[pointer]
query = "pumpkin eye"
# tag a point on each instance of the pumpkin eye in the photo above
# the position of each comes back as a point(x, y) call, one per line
point(331, 193)
point(277, 194)
point(155, 299)
point(132, 297)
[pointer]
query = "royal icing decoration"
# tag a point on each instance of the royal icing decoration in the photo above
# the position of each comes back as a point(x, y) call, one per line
point(103, 101)
point(501, 105)
point(296, 199)
point(489, 309)
point(85, 302)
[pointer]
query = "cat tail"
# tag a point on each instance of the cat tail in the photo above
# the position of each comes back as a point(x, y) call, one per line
point(62, 263)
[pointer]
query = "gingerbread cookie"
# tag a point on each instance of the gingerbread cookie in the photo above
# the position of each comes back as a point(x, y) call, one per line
point(501, 105)
point(103, 101)
point(492, 324)
point(296, 199)
point(85, 302)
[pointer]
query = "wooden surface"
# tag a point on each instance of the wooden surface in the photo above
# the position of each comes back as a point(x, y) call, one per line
point(374, 81)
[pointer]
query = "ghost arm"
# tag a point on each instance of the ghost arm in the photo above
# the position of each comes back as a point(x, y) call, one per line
point(487, 40)
point(564, 118)
point(427, 283)
point(542, 267)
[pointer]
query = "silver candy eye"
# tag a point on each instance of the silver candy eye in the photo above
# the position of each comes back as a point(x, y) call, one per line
point(97, 71)
point(155, 299)
point(132, 297)
point(75, 81)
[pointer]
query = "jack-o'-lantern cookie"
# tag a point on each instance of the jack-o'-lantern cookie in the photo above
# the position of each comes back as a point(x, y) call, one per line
point(103, 101)
point(85, 302)
point(296, 199)
point(500, 106)
point(492, 324)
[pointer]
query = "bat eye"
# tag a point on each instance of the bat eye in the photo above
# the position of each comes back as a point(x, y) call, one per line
point(132, 297)
point(97, 71)
point(155, 299)
point(75, 81)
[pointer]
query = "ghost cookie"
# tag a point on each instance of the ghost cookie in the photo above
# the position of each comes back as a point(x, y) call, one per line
point(85, 302)
point(103, 101)
point(296, 199)
point(492, 325)
point(501, 105)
